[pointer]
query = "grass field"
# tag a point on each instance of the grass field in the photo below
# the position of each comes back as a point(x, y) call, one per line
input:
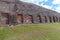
point(50, 31)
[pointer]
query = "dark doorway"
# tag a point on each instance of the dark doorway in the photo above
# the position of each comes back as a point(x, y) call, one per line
point(54, 19)
point(19, 18)
point(39, 18)
point(50, 19)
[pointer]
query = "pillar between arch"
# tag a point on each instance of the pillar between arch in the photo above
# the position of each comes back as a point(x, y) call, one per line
point(48, 19)
point(35, 19)
point(58, 19)
point(42, 18)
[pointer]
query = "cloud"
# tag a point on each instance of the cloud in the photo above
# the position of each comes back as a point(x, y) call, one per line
point(46, 6)
point(40, 0)
point(58, 8)
point(56, 2)
point(27, 0)
point(37, 3)
point(34, 1)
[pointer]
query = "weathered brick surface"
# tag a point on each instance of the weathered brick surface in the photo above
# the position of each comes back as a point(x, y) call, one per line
point(14, 7)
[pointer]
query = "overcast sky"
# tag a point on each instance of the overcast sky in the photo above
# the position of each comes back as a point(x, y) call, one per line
point(50, 4)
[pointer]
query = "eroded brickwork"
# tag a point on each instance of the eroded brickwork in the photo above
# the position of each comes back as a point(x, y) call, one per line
point(17, 12)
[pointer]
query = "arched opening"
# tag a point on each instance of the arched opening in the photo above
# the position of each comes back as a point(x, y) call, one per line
point(45, 18)
point(19, 18)
point(56, 19)
point(59, 19)
point(50, 19)
point(4, 18)
point(30, 19)
point(53, 19)
point(39, 18)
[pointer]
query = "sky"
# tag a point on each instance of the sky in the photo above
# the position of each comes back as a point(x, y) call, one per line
point(50, 4)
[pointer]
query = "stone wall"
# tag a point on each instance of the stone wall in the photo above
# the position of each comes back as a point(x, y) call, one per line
point(28, 13)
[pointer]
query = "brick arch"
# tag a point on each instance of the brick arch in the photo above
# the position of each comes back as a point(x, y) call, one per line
point(50, 19)
point(7, 21)
point(45, 18)
point(4, 18)
point(59, 19)
point(30, 18)
point(39, 18)
point(54, 20)
point(19, 18)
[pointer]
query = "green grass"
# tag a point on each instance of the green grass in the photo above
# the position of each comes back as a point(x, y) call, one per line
point(48, 31)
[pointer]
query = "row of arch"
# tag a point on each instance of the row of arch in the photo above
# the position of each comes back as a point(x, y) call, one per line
point(5, 18)
point(30, 19)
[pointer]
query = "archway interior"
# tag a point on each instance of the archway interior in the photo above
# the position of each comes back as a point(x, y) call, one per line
point(56, 19)
point(30, 18)
point(50, 19)
point(45, 18)
point(19, 18)
point(39, 18)
point(4, 18)
point(53, 18)
point(59, 19)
